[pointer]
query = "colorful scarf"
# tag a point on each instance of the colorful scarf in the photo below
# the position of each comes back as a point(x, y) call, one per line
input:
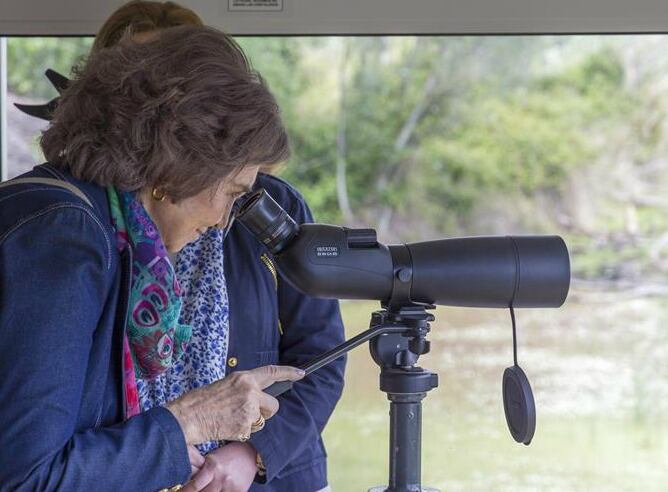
point(154, 338)
point(200, 268)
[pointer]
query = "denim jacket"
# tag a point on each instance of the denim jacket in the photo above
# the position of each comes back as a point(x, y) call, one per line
point(63, 302)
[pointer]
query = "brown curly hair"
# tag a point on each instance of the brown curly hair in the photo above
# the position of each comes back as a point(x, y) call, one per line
point(138, 16)
point(181, 112)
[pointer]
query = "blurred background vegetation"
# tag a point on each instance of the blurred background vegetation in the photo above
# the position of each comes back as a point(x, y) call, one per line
point(427, 137)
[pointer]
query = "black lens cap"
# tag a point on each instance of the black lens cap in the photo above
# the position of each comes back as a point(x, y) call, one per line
point(519, 405)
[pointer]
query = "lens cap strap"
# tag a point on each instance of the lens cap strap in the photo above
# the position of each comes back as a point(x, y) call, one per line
point(512, 318)
point(518, 401)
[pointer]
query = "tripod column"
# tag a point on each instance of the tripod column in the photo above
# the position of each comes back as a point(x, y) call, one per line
point(405, 442)
point(406, 388)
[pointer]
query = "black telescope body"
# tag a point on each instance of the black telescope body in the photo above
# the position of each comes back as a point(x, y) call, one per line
point(333, 261)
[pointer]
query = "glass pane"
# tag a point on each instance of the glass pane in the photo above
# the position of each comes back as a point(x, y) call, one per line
point(27, 59)
point(427, 137)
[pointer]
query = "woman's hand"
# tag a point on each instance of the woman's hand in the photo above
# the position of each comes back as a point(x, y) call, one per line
point(226, 409)
point(230, 468)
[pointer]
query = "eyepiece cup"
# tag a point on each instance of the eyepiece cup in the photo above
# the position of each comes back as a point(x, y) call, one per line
point(267, 221)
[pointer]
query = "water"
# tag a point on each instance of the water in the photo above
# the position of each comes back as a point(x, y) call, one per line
point(599, 372)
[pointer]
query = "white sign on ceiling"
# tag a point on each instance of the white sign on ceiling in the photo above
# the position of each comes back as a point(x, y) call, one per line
point(255, 5)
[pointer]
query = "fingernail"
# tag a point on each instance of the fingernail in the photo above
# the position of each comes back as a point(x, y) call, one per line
point(301, 372)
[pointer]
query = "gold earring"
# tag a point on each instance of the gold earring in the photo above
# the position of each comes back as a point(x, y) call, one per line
point(158, 195)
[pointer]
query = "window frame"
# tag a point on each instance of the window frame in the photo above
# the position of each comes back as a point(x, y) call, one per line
point(3, 109)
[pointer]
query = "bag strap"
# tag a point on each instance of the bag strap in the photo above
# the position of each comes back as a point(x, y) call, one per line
point(52, 182)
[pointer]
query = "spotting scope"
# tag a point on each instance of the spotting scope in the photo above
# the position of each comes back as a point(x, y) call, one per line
point(323, 260)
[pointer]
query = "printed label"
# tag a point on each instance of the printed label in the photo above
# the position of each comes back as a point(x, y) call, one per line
point(323, 251)
point(255, 5)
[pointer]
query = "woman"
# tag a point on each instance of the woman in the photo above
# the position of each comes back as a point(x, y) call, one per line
point(220, 272)
point(230, 334)
point(158, 138)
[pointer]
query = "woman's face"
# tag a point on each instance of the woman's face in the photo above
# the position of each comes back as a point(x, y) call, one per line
point(183, 222)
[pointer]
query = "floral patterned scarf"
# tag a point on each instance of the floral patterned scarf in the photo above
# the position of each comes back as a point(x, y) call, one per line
point(154, 338)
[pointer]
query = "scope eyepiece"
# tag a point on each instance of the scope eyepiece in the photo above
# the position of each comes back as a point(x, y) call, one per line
point(267, 221)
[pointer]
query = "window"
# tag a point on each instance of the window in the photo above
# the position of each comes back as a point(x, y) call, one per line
point(426, 137)
point(27, 59)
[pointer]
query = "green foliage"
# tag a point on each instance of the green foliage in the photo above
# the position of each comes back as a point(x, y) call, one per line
point(435, 131)
point(28, 58)
point(597, 82)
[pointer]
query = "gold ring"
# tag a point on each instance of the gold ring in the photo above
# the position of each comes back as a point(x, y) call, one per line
point(258, 425)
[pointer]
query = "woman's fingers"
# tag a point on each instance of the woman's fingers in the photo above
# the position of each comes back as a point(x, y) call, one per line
point(196, 459)
point(265, 376)
point(201, 479)
point(268, 405)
